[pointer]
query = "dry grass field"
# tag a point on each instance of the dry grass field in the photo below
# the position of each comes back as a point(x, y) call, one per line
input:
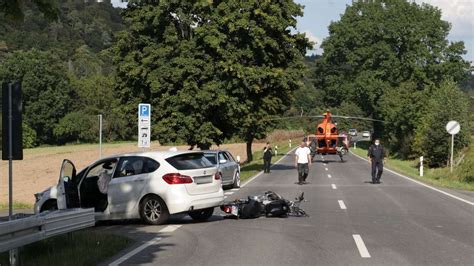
point(40, 166)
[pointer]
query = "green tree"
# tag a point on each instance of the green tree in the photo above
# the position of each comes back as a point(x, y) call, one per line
point(15, 8)
point(431, 140)
point(47, 94)
point(259, 59)
point(159, 61)
point(210, 69)
point(376, 47)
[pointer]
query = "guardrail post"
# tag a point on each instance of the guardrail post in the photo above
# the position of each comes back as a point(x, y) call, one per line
point(355, 145)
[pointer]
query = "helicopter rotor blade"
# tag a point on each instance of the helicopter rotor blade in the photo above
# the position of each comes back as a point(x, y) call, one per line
point(293, 117)
point(359, 118)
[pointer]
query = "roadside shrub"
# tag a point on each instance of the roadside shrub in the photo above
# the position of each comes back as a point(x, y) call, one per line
point(29, 136)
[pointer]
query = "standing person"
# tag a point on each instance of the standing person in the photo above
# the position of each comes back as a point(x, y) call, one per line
point(376, 156)
point(302, 162)
point(267, 158)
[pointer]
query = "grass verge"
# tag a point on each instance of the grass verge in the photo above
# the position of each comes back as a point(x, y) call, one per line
point(435, 176)
point(252, 168)
point(78, 248)
point(16, 206)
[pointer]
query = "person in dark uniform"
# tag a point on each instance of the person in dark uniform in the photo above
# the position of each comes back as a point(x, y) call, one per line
point(267, 158)
point(376, 156)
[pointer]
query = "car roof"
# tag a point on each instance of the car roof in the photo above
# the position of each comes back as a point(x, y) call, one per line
point(214, 151)
point(153, 154)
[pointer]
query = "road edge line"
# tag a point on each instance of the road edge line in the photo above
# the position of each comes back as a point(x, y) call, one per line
point(261, 172)
point(421, 183)
point(168, 229)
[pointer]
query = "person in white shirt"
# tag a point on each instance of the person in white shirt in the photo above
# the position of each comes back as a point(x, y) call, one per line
point(302, 162)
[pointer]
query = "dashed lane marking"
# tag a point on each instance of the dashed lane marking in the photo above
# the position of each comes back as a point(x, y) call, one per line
point(329, 176)
point(364, 253)
point(333, 186)
point(342, 205)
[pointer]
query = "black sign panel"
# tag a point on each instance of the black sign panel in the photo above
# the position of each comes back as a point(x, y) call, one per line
point(17, 130)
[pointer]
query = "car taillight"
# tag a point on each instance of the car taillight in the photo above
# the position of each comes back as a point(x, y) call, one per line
point(217, 176)
point(176, 178)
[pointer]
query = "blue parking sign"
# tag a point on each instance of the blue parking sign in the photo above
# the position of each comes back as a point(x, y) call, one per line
point(144, 109)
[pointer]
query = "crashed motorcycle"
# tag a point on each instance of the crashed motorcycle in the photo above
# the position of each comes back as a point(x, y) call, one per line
point(270, 204)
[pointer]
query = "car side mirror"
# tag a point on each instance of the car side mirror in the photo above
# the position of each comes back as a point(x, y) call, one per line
point(222, 161)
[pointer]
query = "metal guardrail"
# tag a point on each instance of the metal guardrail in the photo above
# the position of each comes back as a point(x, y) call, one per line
point(17, 233)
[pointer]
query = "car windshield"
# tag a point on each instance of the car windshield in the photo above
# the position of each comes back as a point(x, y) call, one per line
point(211, 157)
point(189, 161)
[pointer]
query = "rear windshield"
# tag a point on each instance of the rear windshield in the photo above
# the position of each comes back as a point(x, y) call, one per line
point(189, 161)
point(211, 157)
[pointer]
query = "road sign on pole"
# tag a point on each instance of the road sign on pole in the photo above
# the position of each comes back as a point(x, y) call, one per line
point(453, 128)
point(144, 125)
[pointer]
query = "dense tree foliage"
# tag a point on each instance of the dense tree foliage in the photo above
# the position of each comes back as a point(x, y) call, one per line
point(66, 73)
point(14, 9)
point(387, 56)
point(211, 70)
point(445, 103)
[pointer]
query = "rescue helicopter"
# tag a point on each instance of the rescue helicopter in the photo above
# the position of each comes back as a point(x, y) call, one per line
point(327, 138)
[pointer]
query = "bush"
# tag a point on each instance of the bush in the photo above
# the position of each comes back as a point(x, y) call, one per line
point(446, 103)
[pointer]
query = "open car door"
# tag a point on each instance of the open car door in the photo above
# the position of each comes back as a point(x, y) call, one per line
point(68, 196)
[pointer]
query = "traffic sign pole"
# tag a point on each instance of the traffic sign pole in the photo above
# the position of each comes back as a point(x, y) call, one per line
point(452, 152)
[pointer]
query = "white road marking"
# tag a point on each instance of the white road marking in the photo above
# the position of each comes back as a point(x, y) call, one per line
point(364, 253)
point(324, 164)
point(134, 252)
point(423, 184)
point(333, 186)
point(235, 189)
point(228, 193)
point(326, 169)
point(168, 229)
point(329, 176)
point(342, 205)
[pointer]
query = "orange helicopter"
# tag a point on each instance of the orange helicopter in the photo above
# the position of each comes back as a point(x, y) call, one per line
point(328, 140)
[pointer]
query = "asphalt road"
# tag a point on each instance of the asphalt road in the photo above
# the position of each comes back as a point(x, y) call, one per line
point(352, 222)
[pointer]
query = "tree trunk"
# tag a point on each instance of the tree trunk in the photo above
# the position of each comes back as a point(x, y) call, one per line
point(249, 150)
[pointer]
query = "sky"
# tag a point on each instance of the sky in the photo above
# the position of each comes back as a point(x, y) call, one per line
point(318, 14)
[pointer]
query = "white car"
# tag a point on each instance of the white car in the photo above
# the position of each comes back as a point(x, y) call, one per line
point(353, 132)
point(366, 134)
point(149, 185)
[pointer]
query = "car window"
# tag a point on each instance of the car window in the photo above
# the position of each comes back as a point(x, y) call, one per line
point(221, 156)
point(189, 161)
point(105, 166)
point(135, 165)
point(228, 157)
point(211, 157)
point(151, 165)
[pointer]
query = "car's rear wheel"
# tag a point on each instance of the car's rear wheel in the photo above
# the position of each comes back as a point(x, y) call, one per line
point(153, 210)
point(201, 215)
point(236, 180)
point(49, 205)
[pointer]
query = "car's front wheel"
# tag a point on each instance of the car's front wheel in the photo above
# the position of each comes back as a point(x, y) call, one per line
point(236, 180)
point(153, 210)
point(49, 205)
point(201, 215)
